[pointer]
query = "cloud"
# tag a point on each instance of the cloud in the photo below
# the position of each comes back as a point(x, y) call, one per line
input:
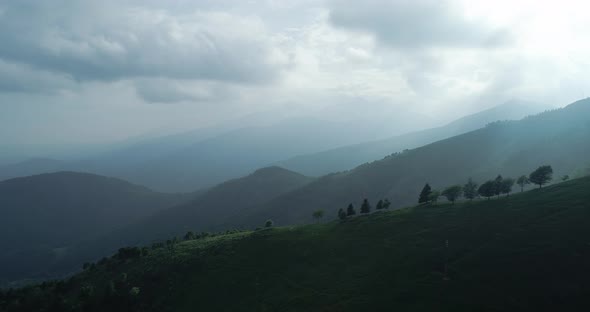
point(415, 24)
point(107, 41)
point(174, 91)
point(18, 78)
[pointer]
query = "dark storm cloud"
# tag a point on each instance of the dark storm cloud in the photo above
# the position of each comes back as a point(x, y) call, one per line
point(409, 24)
point(110, 40)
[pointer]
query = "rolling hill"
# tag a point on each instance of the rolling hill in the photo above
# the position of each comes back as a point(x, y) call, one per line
point(560, 138)
point(104, 223)
point(45, 214)
point(207, 212)
point(348, 157)
point(527, 252)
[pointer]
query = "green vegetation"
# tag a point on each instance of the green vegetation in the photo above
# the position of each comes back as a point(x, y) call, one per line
point(452, 193)
point(470, 190)
point(522, 182)
point(269, 223)
point(366, 207)
point(425, 194)
point(350, 210)
point(318, 215)
point(528, 252)
point(541, 176)
point(341, 214)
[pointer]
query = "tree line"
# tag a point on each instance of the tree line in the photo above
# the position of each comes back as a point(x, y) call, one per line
point(489, 189)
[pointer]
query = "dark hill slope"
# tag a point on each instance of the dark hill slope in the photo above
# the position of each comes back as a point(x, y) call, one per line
point(529, 252)
point(41, 215)
point(209, 211)
point(560, 138)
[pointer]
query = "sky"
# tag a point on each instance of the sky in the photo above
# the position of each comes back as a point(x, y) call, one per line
point(101, 71)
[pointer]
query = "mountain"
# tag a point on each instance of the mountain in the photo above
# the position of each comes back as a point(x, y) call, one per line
point(348, 157)
point(528, 252)
point(207, 212)
point(238, 152)
point(206, 157)
point(105, 223)
point(560, 138)
point(44, 215)
point(30, 167)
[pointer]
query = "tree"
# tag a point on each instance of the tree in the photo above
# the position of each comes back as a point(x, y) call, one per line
point(341, 214)
point(498, 185)
point(541, 176)
point(522, 181)
point(350, 210)
point(452, 193)
point(189, 235)
point(318, 214)
point(425, 194)
point(268, 223)
point(565, 178)
point(366, 207)
point(379, 205)
point(488, 189)
point(433, 198)
point(506, 186)
point(470, 189)
point(386, 203)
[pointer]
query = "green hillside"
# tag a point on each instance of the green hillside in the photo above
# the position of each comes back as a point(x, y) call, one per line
point(528, 252)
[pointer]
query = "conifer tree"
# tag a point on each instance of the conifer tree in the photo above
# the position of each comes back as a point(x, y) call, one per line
point(379, 205)
point(341, 214)
point(425, 194)
point(350, 210)
point(366, 207)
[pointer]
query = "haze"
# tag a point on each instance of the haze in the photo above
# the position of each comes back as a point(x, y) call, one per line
point(76, 72)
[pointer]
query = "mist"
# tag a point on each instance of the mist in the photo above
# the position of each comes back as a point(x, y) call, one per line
point(109, 71)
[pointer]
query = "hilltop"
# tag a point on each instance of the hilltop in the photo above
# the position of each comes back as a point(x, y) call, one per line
point(528, 252)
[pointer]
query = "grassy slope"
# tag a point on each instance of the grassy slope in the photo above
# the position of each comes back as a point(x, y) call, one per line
point(527, 252)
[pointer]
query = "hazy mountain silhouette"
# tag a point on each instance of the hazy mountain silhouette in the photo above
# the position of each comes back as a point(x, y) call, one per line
point(41, 216)
point(348, 157)
point(205, 157)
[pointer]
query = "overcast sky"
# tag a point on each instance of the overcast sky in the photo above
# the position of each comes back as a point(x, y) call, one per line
point(95, 71)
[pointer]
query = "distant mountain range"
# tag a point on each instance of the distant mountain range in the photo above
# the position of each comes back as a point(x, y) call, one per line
point(205, 157)
point(348, 157)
